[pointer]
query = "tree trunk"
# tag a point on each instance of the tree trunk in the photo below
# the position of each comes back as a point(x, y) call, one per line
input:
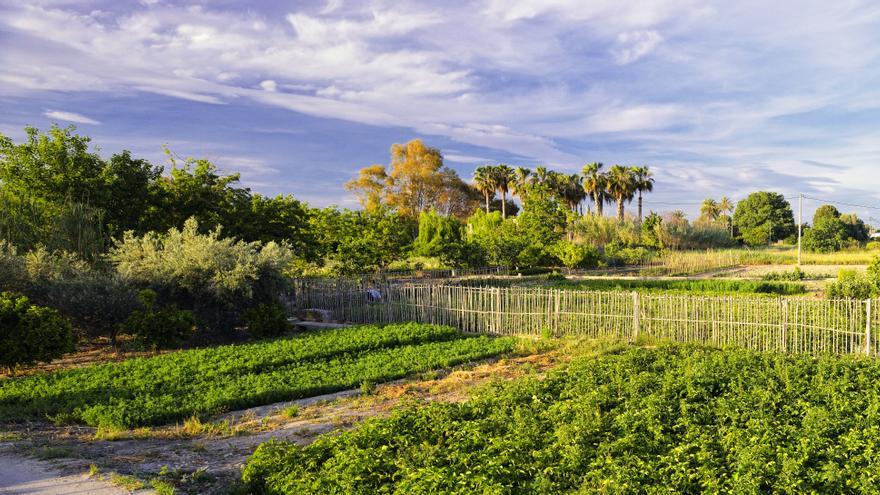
point(620, 209)
point(503, 204)
point(598, 206)
point(640, 206)
point(487, 203)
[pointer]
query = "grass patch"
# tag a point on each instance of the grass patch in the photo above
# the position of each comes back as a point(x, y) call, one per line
point(129, 483)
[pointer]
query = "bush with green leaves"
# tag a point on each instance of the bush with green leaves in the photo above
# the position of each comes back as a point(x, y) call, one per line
point(216, 277)
point(31, 334)
point(575, 255)
point(266, 320)
point(763, 217)
point(157, 328)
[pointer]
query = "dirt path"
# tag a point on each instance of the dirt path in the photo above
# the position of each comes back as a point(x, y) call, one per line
point(19, 475)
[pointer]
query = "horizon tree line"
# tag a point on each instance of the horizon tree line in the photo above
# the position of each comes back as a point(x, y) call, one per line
point(618, 185)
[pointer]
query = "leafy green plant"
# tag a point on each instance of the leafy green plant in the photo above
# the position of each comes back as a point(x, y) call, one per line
point(159, 328)
point(31, 334)
point(851, 284)
point(673, 419)
point(266, 320)
point(173, 386)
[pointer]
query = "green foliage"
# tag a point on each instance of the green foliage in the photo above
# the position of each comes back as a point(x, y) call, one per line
point(353, 242)
point(825, 236)
point(674, 419)
point(204, 272)
point(437, 234)
point(791, 276)
point(762, 217)
point(851, 284)
point(198, 382)
point(825, 212)
point(30, 334)
point(266, 320)
point(574, 255)
point(159, 328)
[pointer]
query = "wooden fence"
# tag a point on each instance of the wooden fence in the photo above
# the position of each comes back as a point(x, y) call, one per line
point(758, 323)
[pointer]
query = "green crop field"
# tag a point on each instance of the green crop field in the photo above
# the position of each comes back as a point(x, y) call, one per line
point(156, 390)
point(674, 419)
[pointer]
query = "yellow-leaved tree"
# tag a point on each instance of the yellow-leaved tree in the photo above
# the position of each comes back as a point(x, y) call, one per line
point(416, 182)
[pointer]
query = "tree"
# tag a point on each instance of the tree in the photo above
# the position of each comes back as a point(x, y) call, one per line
point(621, 187)
point(825, 212)
point(763, 216)
point(709, 211)
point(595, 185)
point(825, 236)
point(855, 227)
point(571, 191)
point(437, 234)
point(369, 186)
point(520, 184)
point(503, 177)
point(726, 206)
point(415, 178)
point(644, 182)
point(484, 182)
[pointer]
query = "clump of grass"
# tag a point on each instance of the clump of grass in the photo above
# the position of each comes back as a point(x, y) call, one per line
point(368, 387)
point(47, 452)
point(129, 483)
point(290, 411)
point(194, 426)
point(162, 487)
point(93, 470)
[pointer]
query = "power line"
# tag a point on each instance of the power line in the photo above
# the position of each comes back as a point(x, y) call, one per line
point(854, 205)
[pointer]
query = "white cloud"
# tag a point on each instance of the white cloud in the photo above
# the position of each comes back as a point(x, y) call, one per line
point(70, 117)
point(269, 85)
point(633, 45)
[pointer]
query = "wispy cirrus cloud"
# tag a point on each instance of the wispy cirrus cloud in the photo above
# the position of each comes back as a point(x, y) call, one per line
point(70, 117)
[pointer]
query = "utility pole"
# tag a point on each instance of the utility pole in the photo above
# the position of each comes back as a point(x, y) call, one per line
point(800, 223)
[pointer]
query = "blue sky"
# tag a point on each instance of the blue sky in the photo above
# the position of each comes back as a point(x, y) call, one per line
point(718, 98)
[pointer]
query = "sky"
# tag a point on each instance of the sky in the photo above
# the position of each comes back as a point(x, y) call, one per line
point(717, 98)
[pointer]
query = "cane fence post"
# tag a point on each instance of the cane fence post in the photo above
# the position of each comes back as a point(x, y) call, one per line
point(636, 316)
point(868, 327)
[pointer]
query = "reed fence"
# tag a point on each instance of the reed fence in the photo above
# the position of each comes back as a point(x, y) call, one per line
point(759, 323)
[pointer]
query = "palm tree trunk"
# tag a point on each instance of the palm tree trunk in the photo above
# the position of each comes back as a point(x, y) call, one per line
point(487, 203)
point(640, 206)
point(598, 206)
point(503, 204)
point(619, 209)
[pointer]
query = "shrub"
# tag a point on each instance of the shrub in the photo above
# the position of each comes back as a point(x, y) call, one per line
point(215, 277)
point(852, 285)
point(31, 334)
point(573, 255)
point(266, 320)
point(159, 328)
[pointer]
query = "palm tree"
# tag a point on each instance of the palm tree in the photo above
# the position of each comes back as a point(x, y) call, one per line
point(726, 206)
point(709, 211)
point(571, 190)
point(520, 184)
point(484, 182)
point(644, 182)
point(621, 186)
point(595, 184)
point(503, 177)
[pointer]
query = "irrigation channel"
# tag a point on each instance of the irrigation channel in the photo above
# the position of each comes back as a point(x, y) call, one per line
point(758, 323)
